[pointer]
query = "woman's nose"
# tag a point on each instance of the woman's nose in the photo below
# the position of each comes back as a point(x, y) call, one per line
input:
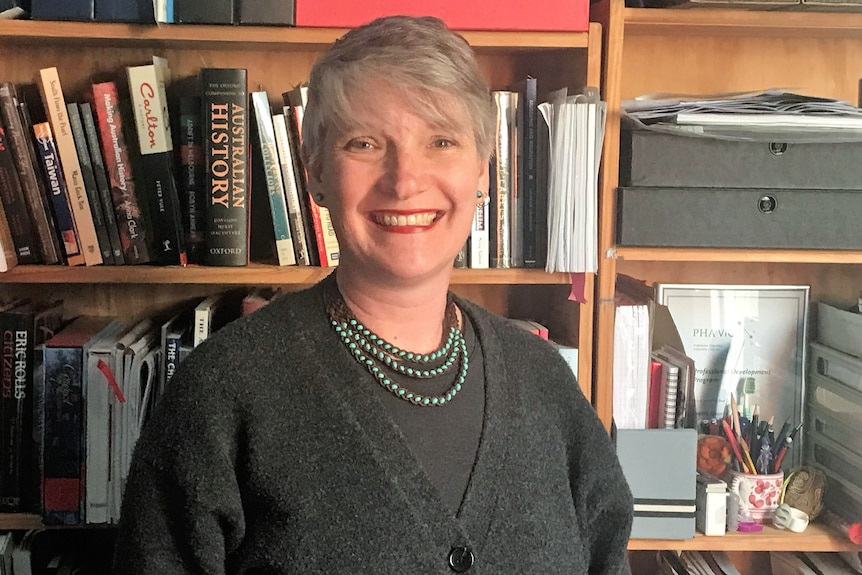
point(407, 172)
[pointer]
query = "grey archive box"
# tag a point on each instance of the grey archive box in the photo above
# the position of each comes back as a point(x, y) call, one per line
point(653, 158)
point(739, 218)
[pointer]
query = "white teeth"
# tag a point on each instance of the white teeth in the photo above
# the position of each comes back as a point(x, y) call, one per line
point(411, 220)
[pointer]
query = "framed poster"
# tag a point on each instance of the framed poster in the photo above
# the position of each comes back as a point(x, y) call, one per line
point(746, 340)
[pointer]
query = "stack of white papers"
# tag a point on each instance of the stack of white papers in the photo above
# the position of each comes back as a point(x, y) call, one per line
point(749, 115)
point(576, 127)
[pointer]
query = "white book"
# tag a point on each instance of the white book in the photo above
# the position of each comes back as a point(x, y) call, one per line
point(117, 460)
point(479, 249)
point(301, 240)
point(284, 242)
point(102, 395)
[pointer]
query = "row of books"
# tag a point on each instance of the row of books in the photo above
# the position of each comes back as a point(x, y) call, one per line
point(56, 552)
point(80, 392)
point(543, 198)
point(270, 12)
point(781, 563)
point(100, 181)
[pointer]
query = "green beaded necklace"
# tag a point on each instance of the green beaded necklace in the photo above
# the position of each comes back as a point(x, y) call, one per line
point(369, 349)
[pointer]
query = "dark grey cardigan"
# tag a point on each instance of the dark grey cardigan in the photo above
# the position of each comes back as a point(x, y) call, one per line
point(267, 455)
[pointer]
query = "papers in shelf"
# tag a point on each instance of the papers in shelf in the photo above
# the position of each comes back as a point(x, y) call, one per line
point(762, 115)
point(576, 127)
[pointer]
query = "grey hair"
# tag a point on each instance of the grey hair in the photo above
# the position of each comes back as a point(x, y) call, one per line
point(417, 55)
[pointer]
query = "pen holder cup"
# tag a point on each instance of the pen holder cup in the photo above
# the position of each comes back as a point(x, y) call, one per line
point(759, 494)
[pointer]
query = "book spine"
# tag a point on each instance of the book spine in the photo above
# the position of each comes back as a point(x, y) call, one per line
point(131, 222)
point(75, 10)
point(147, 87)
point(101, 176)
point(226, 123)
point(12, 196)
point(62, 460)
point(268, 12)
point(501, 200)
point(317, 217)
point(16, 409)
point(55, 109)
point(22, 150)
point(199, 12)
point(191, 177)
point(134, 11)
point(479, 254)
point(291, 191)
point(41, 182)
point(22, 329)
point(74, 113)
point(284, 241)
point(527, 170)
point(47, 152)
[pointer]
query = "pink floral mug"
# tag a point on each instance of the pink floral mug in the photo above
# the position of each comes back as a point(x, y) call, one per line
point(759, 495)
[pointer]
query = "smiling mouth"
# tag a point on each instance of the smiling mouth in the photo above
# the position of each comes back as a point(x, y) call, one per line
point(418, 219)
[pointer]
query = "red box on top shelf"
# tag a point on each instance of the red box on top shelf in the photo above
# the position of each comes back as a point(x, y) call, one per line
point(538, 15)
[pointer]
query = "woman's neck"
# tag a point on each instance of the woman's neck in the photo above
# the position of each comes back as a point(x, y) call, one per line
point(410, 317)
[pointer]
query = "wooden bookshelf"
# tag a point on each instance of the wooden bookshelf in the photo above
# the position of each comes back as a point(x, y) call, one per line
point(814, 538)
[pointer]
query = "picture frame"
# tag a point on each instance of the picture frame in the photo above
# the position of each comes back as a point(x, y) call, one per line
point(735, 332)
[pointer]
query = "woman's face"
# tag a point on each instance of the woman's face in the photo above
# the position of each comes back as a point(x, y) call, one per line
point(401, 191)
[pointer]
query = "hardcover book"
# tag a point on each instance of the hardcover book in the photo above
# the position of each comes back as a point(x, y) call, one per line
point(76, 10)
point(149, 99)
point(226, 123)
point(137, 11)
point(528, 191)
point(14, 205)
point(23, 327)
point(55, 109)
point(89, 177)
point(132, 223)
point(204, 12)
point(193, 195)
point(270, 169)
point(503, 212)
point(269, 12)
point(21, 145)
point(102, 185)
point(53, 171)
point(63, 421)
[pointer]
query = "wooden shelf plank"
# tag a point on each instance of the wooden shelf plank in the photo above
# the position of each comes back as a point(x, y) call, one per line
point(717, 22)
point(22, 521)
point(254, 274)
point(736, 255)
point(814, 538)
point(101, 33)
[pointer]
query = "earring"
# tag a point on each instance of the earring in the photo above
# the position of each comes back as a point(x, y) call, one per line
point(318, 197)
point(479, 193)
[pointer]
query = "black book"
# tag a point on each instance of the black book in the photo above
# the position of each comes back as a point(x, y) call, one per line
point(204, 11)
point(268, 12)
point(23, 327)
point(190, 178)
point(75, 10)
point(528, 170)
point(102, 185)
point(15, 205)
point(137, 11)
point(89, 178)
point(21, 145)
point(225, 117)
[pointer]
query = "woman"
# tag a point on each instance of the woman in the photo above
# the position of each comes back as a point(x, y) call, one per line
point(305, 439)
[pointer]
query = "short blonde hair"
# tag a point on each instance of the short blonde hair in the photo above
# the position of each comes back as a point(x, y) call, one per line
point(419, 55)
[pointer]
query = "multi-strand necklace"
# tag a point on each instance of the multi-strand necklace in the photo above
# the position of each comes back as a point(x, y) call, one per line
point(382, 358)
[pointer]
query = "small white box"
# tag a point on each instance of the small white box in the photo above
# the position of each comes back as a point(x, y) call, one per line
point(711, 501)
point(839, 328)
